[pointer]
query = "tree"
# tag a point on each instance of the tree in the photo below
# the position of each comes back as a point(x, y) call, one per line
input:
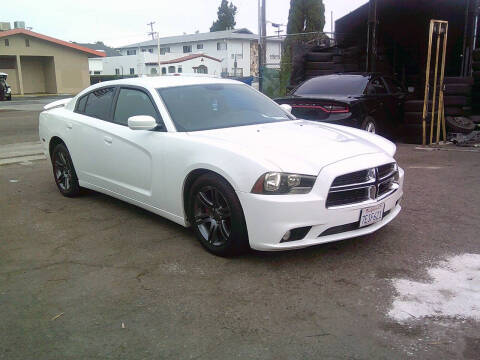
point(226, 17)
point(305, 16)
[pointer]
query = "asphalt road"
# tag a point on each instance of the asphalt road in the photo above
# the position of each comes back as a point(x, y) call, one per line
point(94, 277)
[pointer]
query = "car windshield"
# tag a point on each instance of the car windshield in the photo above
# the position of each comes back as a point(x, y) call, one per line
point(333, 85)
point(215, 106)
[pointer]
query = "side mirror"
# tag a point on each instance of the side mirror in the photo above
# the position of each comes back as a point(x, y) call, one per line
point(142, 122)
point(287, 108)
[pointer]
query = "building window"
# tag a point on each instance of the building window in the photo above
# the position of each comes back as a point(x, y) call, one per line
point(199, 46)
point(274, 57)
point(7, 42)
point(171, 69)
point(27, 42)
point(150, 51)
point(221, 46)
point(164, 70)
point(96, 73)
point(187, 49)
point(131, 52)
point(202, 69)
point(117, 71)
point(164, 50)
point(224, 72)
point(153, 71)
point(180, 69)
point(132, 71)
point(144, 50)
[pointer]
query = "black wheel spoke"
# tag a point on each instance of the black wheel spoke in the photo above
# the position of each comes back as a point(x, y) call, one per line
point(212, 234)
point(216, 198)
point(204, 201)
point(223, 230)
point(202, 219)
point(212, 216)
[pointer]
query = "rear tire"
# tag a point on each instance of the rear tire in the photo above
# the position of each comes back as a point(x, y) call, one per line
point(370, 125)
point(64, 172)
point(217, 216)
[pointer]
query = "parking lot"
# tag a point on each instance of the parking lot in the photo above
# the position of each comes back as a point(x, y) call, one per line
point(94, 277)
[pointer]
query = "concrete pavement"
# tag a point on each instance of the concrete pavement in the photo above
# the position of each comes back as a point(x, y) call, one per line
point(96, 278)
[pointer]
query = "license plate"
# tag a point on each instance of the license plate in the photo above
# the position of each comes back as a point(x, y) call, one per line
point(371, 215)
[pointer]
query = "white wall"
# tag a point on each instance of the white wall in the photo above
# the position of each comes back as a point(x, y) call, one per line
point(235, 47)
point(274, 53)
point(214, 67)
point(95, 65)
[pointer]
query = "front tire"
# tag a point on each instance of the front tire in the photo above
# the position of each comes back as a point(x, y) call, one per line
point(64, 172)
point(217, 216)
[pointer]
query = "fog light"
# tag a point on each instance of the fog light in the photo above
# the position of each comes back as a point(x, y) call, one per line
point(286, 236)
point(296, 234)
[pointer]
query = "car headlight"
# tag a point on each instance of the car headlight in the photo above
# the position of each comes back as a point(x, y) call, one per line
point(275, 183)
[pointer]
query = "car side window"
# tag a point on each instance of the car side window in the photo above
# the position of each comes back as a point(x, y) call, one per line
point(132, 102)
point(99, 103)
point(81, 104)
point(393, 86)
point(378, 85)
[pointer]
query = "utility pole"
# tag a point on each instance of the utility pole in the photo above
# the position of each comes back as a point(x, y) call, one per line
point(152, 33)
point(158, 52)
point(372, 37)
point(262, 51)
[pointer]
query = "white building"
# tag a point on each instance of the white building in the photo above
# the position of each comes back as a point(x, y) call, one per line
point(227, 53)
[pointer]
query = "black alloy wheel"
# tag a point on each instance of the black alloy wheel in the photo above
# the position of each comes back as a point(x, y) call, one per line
point(64, 172)
point(212, 216)
point(216, 216)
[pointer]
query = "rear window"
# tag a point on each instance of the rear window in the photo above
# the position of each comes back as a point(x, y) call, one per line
point(334, 85)
point(99, 103)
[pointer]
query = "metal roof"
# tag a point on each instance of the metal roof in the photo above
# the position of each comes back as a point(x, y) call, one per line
point(243, 34)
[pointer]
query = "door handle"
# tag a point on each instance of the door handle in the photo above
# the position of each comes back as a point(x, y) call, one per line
point(107, 139)
point(69, 126)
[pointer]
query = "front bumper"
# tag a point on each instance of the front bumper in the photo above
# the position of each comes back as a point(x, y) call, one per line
point(269, 217)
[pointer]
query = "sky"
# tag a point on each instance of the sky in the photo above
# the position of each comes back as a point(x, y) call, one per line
point(118, 23)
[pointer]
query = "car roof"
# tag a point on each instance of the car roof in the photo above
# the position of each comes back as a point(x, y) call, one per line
point(167, 81)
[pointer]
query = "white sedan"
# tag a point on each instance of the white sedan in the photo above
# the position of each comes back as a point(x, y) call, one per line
point(223, 158)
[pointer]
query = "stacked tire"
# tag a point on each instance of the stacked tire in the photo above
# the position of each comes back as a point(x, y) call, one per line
point(458, 96)
point(412, 131)
point(476, 84)
point(320, 63)
point(458, 104)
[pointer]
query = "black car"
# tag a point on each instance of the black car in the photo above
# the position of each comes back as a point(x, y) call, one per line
point(367, 101)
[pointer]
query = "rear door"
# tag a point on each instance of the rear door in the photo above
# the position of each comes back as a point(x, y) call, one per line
point(89, 121)
point(379, 103)
point(397, 94)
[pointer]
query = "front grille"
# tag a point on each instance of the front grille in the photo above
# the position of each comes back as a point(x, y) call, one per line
point(356, 177)
point(364, 185)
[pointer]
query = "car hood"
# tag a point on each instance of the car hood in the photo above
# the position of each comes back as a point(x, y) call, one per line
point(298, 146)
